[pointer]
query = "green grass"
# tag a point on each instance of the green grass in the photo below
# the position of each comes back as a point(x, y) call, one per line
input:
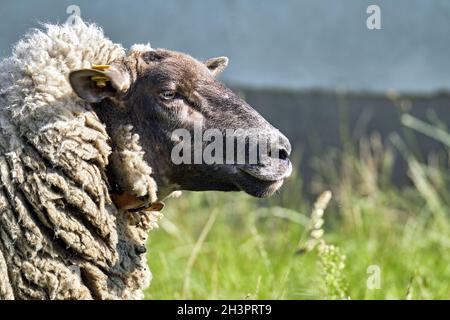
point(231, 246)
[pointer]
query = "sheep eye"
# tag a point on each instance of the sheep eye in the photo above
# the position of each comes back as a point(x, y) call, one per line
point(167, 95)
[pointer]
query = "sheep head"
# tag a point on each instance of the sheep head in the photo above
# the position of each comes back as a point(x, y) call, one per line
point(168, 98)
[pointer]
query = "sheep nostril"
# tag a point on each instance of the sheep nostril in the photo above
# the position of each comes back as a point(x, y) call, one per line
point(283, 154)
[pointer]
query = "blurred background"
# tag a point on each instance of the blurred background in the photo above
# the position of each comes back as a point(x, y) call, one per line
point(367, 114)
point(290, 60)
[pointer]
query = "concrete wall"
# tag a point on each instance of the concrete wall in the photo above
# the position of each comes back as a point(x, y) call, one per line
point(298, 44)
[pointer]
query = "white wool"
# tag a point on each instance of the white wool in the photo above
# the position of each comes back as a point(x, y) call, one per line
point(141, 47)
point(41, 62)
point(56, 214)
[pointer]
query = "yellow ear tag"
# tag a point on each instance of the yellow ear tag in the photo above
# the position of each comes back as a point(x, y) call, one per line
point(100, 67)
point(100, 81)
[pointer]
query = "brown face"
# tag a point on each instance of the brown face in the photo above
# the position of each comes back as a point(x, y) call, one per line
point(181, 112)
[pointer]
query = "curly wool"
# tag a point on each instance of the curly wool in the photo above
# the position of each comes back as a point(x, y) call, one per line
point(61, 237)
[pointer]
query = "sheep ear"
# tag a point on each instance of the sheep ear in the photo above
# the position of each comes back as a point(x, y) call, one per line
point(94, 85)
point(216, 65)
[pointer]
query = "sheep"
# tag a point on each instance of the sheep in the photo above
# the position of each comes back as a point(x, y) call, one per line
point(85, 158)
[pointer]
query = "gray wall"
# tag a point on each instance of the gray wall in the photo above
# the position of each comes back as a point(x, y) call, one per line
point(300, 44)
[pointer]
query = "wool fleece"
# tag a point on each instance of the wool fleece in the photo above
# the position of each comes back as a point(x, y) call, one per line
point(61, 236)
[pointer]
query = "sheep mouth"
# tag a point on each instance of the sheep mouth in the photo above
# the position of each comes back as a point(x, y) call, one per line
point(262, 182)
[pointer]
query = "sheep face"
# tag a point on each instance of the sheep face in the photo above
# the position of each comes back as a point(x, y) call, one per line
point(196, 133)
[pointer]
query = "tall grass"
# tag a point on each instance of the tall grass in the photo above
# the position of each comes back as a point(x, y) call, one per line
point(231, 246)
